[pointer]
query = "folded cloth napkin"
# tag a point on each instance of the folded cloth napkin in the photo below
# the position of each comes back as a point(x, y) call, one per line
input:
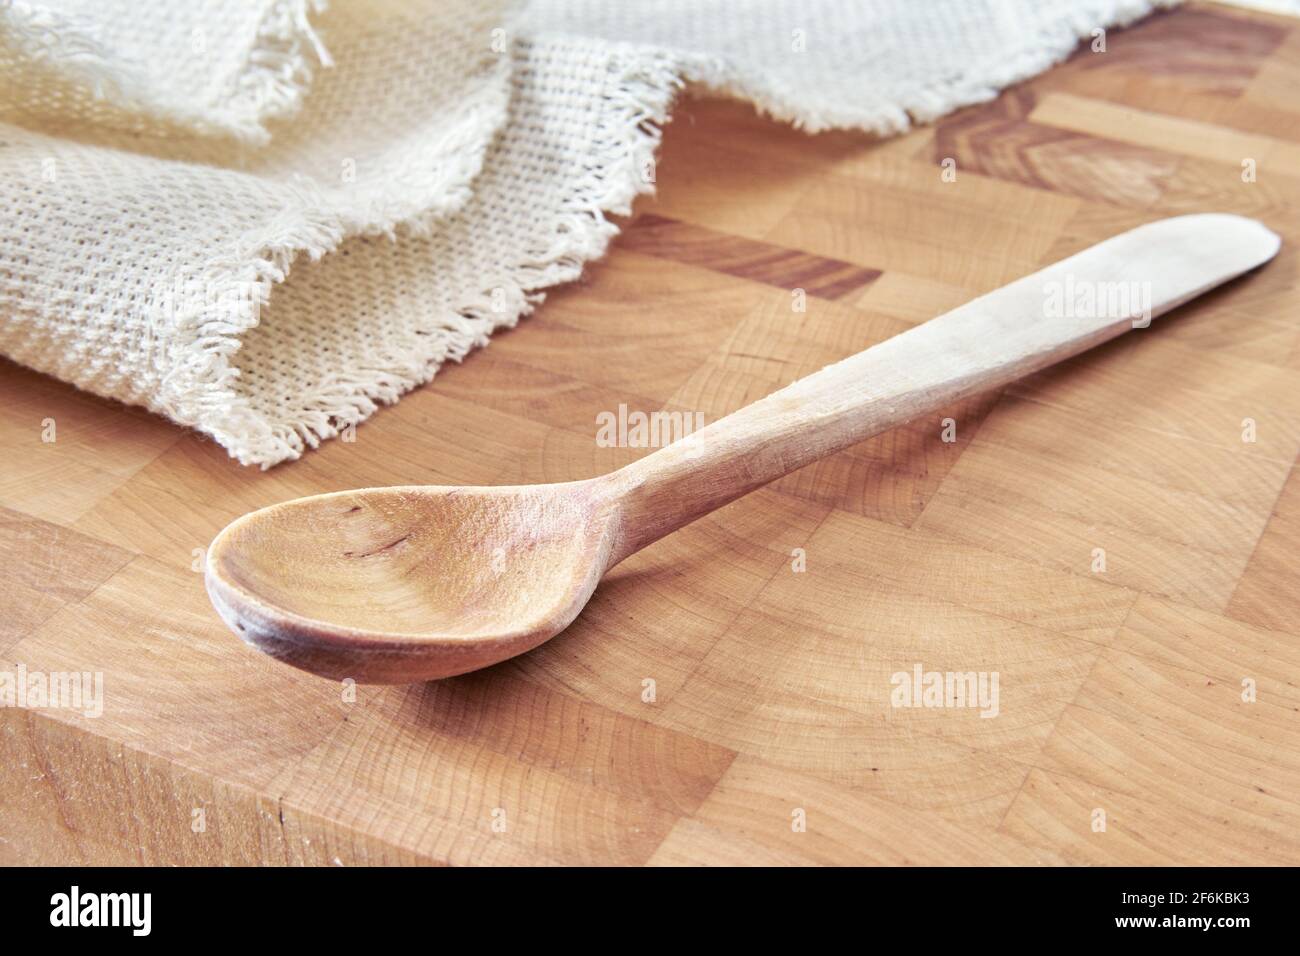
point(164, 167)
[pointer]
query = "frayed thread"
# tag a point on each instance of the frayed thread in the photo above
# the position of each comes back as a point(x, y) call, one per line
point(640, 87)
point(200, 386)
point(276, 74)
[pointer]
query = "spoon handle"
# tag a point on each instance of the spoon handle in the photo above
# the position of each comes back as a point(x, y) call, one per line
point(1060, 311)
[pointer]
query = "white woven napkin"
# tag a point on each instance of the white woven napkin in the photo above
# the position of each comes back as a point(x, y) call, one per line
point(164, 166)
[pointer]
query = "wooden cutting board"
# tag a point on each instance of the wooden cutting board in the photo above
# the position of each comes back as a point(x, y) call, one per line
point(726, 697)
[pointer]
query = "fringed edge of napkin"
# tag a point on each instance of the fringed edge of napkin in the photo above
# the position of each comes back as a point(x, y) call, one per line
point(979, 83)
point(277, 72)
point(202, 392)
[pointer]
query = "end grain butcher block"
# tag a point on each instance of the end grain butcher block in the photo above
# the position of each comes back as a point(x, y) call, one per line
point(1114, 539)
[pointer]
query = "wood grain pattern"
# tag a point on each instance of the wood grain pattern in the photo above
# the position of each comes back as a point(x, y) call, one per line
point(787, 269)
point(1121, 691)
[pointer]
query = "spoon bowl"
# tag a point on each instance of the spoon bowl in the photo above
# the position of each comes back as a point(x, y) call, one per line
point(411, 583)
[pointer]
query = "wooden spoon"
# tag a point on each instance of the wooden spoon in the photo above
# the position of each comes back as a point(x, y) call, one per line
point(393, 585)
